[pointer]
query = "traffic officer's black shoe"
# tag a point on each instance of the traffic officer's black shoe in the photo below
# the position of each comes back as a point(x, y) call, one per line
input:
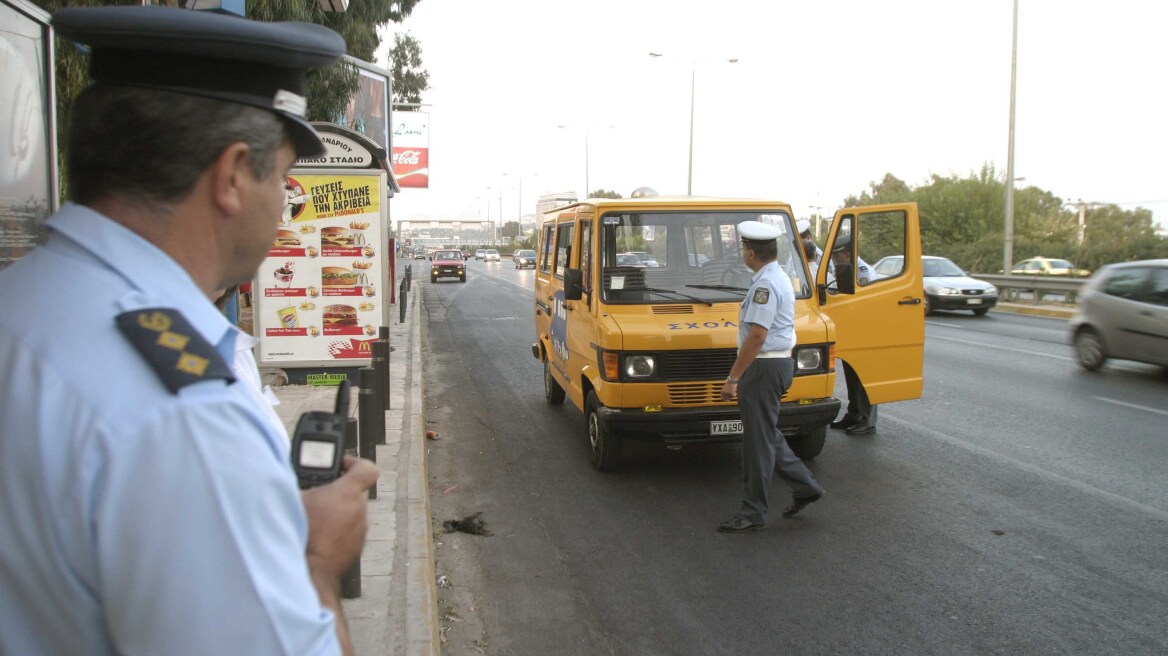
point(844, 422)
point(740, 524)
point(861, 429)
point(799, 504)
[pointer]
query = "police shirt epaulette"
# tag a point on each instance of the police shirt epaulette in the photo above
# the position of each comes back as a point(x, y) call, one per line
point(176, 352)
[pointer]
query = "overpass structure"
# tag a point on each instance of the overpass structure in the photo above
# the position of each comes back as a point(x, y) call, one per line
point(454, 233)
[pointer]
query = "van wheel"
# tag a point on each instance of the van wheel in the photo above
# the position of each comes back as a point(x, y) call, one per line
point(809, 444)
point(605, 444)
point(551, 389)
point(1089, 349)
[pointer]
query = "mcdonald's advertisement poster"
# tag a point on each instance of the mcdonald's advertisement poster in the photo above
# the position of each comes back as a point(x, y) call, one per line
point(318, 295)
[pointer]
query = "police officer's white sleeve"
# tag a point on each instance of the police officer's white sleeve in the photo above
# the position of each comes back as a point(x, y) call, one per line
point(200, 539)
point(762, 305)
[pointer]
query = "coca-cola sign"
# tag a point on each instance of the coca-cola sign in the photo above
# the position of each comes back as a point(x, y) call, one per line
point(411, 149)
point(411, 167)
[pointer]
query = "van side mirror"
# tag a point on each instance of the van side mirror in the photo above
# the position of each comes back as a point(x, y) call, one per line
point(573, 284)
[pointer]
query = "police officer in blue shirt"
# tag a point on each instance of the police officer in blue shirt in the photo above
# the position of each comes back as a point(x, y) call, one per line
point(147, 503)
point(761, 374)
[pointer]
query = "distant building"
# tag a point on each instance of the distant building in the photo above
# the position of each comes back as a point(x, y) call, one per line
point(552, 201)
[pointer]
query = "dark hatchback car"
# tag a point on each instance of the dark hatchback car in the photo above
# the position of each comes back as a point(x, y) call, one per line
point(523, 259)
point(1123, 313)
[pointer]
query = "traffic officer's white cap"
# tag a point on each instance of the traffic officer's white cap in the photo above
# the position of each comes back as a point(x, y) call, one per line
point(758, 231)
point(804, 225)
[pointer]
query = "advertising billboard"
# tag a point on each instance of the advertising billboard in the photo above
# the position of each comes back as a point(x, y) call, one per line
point(28, 161)
point(321, 292)
point(411, 149)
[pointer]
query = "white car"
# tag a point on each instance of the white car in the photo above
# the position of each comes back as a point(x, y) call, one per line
point(947, 287)
point(491, 255)
point(480, 253)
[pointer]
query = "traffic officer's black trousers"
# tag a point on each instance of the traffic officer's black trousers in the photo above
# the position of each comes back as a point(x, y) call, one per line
point(764, 451)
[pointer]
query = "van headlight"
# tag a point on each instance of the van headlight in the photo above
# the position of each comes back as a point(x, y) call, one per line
point(640, 366)
point(810, 360)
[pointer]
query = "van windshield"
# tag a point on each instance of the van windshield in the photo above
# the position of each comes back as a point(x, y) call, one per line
point(673, 257)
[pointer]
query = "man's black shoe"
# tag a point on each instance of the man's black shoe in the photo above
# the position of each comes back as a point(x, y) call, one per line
point(861, 429)
point(740, 524)
point(800, 504)
point(844, 422)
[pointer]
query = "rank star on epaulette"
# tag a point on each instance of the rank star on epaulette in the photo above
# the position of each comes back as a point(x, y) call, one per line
point(176, 352)
point(762, 295)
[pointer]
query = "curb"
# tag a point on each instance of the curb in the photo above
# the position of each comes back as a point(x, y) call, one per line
point(1055, 312)
point(421, 616)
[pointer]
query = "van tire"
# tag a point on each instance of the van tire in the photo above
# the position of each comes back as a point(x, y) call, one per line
point(605, 445)
point(809, 444)
point(551, 389)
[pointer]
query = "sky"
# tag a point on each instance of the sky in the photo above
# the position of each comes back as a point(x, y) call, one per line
point(825, 98)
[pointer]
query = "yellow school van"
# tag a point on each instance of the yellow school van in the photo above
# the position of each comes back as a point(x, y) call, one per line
point(636, 316)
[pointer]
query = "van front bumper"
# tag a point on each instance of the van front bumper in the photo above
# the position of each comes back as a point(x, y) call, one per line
point(692, 425)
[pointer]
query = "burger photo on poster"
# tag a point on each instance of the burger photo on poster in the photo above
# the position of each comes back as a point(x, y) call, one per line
point(339, 315)
point(332, 276)
point(335, 236)
point(285, 238)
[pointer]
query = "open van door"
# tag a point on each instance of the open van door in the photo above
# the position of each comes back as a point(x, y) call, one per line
point(879, 317)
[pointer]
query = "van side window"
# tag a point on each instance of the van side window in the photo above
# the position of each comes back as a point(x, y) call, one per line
point(586, 253)
point(563, 247)
point(878, 235)
point(545, 252)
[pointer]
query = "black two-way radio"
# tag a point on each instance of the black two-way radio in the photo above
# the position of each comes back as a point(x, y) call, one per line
point(319, 442)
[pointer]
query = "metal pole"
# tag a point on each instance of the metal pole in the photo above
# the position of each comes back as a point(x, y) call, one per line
point(587, 194)
point(693, 76)
point(370, 418)
point(381, 369)
point(401, 308)
point(1008, 247)
point(351, 579)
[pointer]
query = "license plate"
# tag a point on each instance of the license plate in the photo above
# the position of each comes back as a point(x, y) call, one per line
point(974, 301)
point(726, 427)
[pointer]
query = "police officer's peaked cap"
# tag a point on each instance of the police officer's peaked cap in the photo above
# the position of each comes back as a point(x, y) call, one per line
point(758, 231)
point(207, 54)
point(803, 225)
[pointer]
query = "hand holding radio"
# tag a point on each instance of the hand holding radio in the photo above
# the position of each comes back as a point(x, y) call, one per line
point(336, 518)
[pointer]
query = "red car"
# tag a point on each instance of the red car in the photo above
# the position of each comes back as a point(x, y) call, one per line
point(447, 264)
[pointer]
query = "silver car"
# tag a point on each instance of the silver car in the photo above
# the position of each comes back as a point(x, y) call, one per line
point(947, 287)
point(1123, 313)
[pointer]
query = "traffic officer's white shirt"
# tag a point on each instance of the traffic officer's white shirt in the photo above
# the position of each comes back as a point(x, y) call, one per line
point(136, 520)
point(770, 303)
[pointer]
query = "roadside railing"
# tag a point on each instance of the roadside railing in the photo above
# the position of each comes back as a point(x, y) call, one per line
point(1039, 288)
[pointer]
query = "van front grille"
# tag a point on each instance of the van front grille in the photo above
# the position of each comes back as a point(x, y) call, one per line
point(706, 364)
point(672, 309)
point(695, 393)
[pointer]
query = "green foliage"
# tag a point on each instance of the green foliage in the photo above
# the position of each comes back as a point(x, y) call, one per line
point(604, 193)
point(963, 219)
point(409, 79)
point(510, 229)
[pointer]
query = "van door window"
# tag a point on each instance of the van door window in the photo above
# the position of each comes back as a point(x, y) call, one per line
point(563, 247)
point(545, 253)
point(586, 253)
point(879, 235)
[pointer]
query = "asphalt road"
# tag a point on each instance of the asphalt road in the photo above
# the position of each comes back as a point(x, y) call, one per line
point(1018, 508)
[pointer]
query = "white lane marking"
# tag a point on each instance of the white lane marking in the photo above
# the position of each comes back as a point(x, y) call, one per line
point(1033, 469)
point(1131, 405)
point(947, 325)
point(996, 347)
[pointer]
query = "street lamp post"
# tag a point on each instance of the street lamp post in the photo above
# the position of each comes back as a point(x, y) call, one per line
point(587, 191)
point(693, 76)
point(1008, 246)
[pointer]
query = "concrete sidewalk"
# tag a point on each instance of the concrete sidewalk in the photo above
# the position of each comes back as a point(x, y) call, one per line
point(397, 612)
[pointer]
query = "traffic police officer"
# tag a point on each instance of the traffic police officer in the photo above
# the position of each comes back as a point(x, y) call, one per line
point(760, 376)
point(147, 505)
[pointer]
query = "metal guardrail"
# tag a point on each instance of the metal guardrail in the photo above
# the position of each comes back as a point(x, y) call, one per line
point(1039, 286)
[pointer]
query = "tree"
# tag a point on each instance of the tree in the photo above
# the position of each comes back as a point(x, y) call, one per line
point(603, 193)
point(510, 229)
point(409, 79)
point(963, 219)
point(328, 89)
